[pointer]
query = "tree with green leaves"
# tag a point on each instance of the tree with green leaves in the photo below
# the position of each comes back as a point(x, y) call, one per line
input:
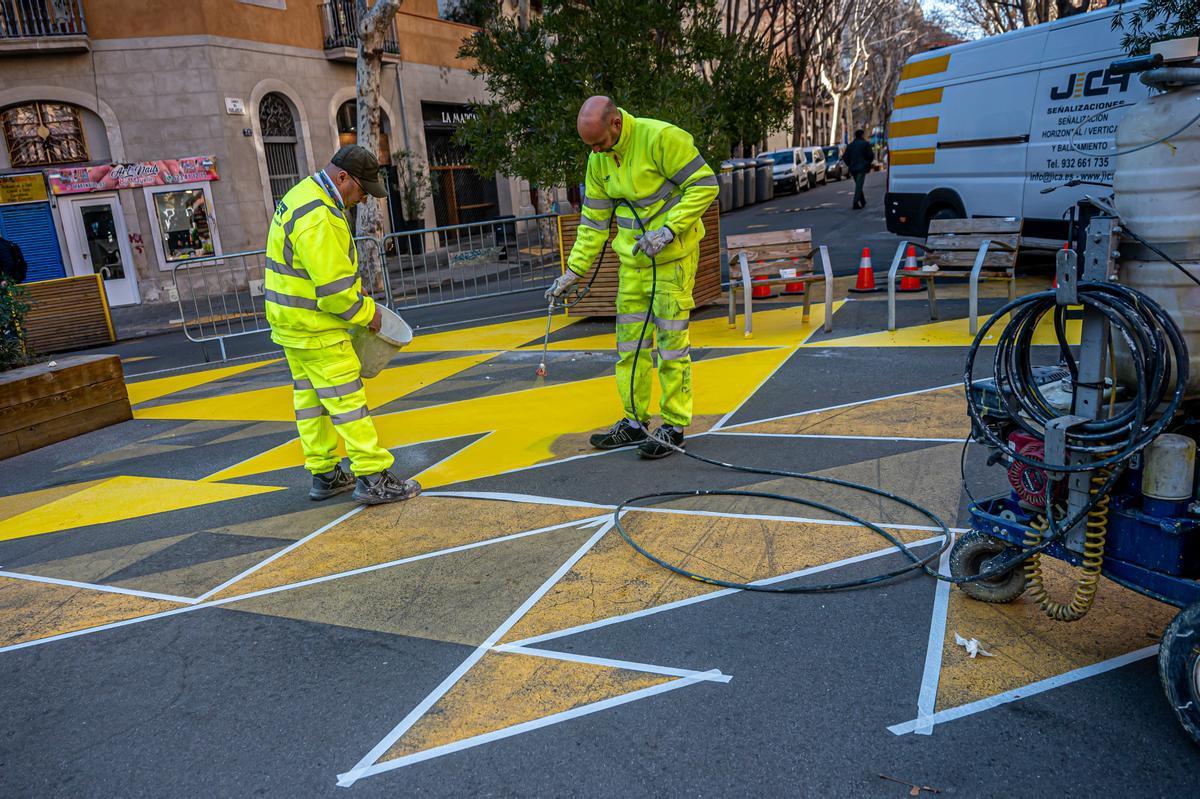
point(667, 59)
point(1156, 20)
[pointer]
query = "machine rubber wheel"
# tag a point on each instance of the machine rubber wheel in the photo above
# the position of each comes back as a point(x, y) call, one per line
point(970, 556)
point(1179, 668)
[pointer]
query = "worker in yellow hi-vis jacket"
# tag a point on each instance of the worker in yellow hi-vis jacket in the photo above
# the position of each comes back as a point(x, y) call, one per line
point(314, 299)
point(655, 167)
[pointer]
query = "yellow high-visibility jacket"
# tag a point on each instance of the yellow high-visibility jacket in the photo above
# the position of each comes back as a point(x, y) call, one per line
point(657, 167)
point(313, 291)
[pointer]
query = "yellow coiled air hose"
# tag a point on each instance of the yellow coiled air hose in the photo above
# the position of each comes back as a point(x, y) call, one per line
point(1093, 560)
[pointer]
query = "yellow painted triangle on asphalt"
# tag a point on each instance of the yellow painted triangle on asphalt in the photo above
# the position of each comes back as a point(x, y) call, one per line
point(521, 428)
point(929, 414)
point(1027, 646)
point(505, 689)
point(502, 336)
point(118, 499)
point(773, 327)
point(146, 390)
point(16, 504)
point(274, 404)
point(947, 333)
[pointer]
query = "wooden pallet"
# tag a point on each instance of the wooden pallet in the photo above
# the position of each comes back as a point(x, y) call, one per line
point(602, 299)
point(44, 404)
point(70, 313)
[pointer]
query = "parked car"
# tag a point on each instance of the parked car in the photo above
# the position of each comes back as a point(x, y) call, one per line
point(790, 170)
point(835, 167)
point(814, 162)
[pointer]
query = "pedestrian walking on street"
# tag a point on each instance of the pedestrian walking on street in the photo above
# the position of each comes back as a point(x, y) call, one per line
point(314, 299)
point(859, 157)
point(654, 167)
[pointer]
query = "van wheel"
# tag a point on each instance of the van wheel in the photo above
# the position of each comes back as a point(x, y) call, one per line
point(942, 212)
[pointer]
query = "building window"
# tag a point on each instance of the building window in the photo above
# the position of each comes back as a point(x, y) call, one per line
point(279, 144)
point(38, 134)
point(185, 225)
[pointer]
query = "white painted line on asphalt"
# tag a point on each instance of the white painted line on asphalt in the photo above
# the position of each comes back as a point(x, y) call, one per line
point(649, 668)
point(1041, 686)
point(843, 405)
point(294, 545)
point(927, 699)
point(106, 589)
point(537, 639)
point(733, 432)
point(524, 727)
point(371, 758)
point(721, 422)
point(503, 496)
point(582, 523)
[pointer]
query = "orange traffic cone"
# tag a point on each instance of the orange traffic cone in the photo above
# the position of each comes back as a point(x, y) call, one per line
point(761, 292)
point(793, 288)
point(866, 274)
point(910, 265)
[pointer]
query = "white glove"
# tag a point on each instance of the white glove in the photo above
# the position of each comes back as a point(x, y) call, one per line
point(653, 242)
point(561, 284)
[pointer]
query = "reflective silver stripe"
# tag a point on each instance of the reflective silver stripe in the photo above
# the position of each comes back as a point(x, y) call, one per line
point(585, 221)
point(349, 313)
point(667, 206)
point(707, 180)
point(351, 416)
point(333, 392)
point(626, 222)
point(303, 384)
point(667, 324)
point(630, 346)
point(303, 211)
point(315, 412)
point(630, 318)
point(284, 269)
point(337, 286)
point(673, 355)
point(289, 300)
point(597, 205)
point(650, 199)
point(682, 175)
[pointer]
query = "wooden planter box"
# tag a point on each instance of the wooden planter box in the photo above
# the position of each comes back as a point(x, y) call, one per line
point(70, 313)
point(602, 299)
point(44, 404)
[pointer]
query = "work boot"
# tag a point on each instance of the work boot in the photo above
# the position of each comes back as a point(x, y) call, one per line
point(330, 484)
point(383, 487)
point(625, 433)
point(661, 442)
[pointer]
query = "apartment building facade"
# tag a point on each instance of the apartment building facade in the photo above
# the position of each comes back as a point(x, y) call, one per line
point(139, 134)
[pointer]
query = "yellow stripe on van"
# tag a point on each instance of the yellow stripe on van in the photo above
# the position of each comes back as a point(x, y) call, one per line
point(914, 99)
point(917, 155)
point(913, 127)
point(928, 66)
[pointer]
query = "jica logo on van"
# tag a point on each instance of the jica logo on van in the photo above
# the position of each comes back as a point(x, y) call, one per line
point(1096, 83)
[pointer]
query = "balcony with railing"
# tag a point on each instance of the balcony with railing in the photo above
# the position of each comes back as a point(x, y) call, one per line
point(48, 26)
point(339, 24)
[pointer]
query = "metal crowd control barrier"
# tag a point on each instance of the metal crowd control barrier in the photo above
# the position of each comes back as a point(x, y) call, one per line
point(221, 296)
point(438, 265)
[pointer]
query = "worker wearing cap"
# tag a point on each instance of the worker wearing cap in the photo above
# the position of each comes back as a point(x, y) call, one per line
point(314, 299)
point(655, 167)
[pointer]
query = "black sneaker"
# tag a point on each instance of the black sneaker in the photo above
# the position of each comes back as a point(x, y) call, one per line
point(656, 444)
point(622, 434)
point(330, 484)
point(383, 487)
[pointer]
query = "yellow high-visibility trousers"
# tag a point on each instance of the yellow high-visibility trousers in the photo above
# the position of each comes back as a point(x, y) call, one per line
point(330, 401)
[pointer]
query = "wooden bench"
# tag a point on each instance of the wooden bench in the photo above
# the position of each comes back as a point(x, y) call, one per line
point(984, 248)
point(754, 255)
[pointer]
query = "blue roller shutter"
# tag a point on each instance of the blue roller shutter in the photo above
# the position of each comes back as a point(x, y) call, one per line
point(31, 226)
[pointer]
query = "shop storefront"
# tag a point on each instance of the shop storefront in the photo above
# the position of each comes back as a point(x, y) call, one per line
point(27, 219)
point(460, 194)
point(177, 199)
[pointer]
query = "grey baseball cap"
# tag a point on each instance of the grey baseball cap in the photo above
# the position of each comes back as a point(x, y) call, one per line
point(361, 164)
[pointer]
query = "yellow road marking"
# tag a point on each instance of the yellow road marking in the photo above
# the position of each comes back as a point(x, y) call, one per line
point(145, 390)
point(274, 404)
point(121, 498)
point(29, 611)
point(948, 333)
point(523, 427)
point(503, 336)
point(930, 414)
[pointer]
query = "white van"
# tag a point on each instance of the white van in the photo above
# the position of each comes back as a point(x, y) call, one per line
point(981, 128)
